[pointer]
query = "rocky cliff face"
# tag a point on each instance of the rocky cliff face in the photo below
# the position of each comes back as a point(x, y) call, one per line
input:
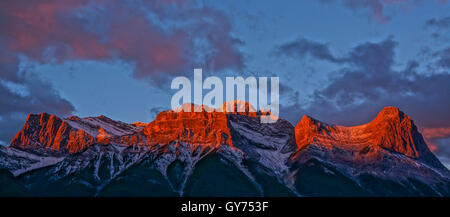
point(223, 154)
point(48, 134)
point(391, 131)
point(196, 128)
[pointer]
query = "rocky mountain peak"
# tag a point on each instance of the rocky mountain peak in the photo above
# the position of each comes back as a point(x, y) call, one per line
point(390, 130)
point(208, 128)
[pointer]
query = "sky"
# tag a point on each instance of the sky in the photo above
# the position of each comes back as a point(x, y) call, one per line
point(339, 61)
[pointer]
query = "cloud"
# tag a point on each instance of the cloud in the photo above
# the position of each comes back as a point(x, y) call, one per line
point(156, 110)
point(443, 58)
point(30, 95)
point(21, 93)
point(436, 133)
point(303, 47)
point(161, 38)
point(441, 23)
point(9, 65)
point(372, 80)
point(377, 8)
point(368, 78)
point(438, 139)
point(439, 27)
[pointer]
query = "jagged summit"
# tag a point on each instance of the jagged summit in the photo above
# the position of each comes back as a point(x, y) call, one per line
point(103, 117)
point(390, 130)
point(309, 121)
point(238, 105)
point(390, 112)
point(140, 124)
point(74, 118)
point(231, 107)
point(50, 134)
point(190, 127)
point(191, 107)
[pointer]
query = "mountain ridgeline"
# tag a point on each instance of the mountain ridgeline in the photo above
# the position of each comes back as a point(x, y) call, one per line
point(220, 154)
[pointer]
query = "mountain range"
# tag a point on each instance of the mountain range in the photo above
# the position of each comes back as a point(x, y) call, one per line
point(220, 154)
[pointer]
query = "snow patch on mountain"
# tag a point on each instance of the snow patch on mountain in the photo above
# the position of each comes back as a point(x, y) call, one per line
point(19, 162)
point(92, 125)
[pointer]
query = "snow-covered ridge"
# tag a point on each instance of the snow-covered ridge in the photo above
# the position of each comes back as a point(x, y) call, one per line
point(92, 125)
point(19, 162)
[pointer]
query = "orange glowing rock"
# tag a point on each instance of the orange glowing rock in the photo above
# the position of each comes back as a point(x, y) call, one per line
point(44, 132)
point(206, 127)
point(391, 130)
point(78, 141)
point(197, 125)
point(103, 137)
point(203, 128)
point(239, 107)
point(139, 124)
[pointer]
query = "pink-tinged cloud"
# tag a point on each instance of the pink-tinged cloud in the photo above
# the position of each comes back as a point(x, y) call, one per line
point(32, 27)
point(377, 8)
point(431, 135)
point(436, 133)
point(104, 30)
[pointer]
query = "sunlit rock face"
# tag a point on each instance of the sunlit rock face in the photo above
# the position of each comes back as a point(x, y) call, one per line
point(196, 125)
point(391, 130)
point(206, 128)
point(48, 134)
point(44, 133)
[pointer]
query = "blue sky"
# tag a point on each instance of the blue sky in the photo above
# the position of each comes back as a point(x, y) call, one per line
point(98, 87)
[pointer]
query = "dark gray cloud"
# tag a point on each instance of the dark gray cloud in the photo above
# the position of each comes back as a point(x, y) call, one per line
point(368, 78)
point(443, 58)
point(377, 8)
point(9, 65)
point(302, 47)
point(439, 23)
point(439, 27)
point(27, 94)
point(156, 110)
point(21, 93)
